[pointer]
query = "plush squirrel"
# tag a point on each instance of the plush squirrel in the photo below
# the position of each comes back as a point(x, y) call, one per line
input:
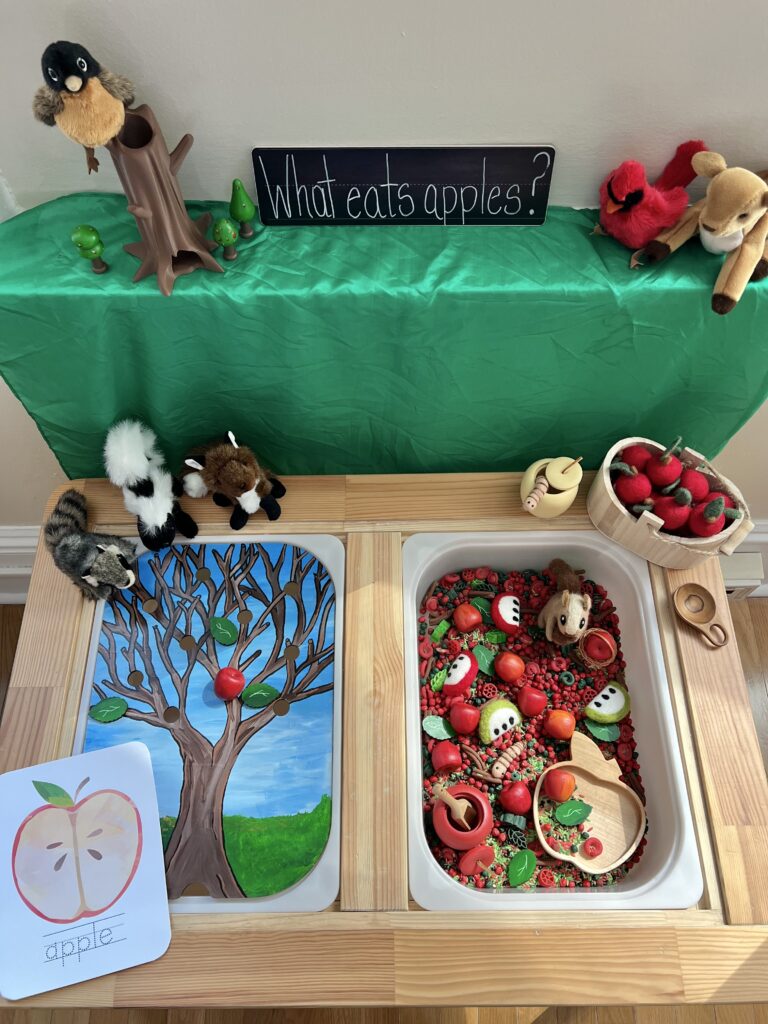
point(97, 563)
point(134, 463)
point(84, 100)
point(565, 616)
point(732, 219)
point(232, 474)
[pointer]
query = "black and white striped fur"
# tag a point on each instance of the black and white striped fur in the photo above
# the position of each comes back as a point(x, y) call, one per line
point(135, 464)
point(97, 563)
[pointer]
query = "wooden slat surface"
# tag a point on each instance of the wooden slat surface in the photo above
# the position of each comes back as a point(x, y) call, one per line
point(729, 756)
point(355, 953)
point(374, 842)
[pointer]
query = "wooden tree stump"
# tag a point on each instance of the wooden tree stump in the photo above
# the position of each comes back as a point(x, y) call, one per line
point(171, 242)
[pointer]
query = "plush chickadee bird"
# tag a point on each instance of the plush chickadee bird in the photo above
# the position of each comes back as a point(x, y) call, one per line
point(86, 101)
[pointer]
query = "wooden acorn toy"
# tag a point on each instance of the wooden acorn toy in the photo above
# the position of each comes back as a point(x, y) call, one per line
point(549, 486)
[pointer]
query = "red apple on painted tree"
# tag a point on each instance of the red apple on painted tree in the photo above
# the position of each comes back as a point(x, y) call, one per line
point(74, 860)
point(229, 683)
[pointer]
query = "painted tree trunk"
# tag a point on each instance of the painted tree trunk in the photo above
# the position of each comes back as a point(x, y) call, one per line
point(171, 242)
point(196, 853)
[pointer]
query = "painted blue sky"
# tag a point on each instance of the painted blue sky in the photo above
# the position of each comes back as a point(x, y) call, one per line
point(286, 767)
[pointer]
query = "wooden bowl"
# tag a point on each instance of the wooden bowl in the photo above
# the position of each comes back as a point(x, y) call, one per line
point(617, 817)
point(642, 535)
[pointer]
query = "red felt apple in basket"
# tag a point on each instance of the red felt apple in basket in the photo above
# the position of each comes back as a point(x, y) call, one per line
point(710, 517)
point(664, 468)
point(631, 486)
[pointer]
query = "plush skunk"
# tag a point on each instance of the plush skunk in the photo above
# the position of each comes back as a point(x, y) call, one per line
point(134, 463)
point(233, 476)
point(98, 563)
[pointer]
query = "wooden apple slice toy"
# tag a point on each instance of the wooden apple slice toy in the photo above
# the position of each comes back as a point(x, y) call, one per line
point(616, 816)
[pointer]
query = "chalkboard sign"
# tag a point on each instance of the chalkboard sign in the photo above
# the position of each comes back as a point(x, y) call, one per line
point(474, 185)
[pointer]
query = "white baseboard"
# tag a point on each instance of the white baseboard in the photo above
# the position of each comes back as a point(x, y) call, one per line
point(17, 553)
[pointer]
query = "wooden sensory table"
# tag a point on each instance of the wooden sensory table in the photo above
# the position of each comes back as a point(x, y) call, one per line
point(375, 946)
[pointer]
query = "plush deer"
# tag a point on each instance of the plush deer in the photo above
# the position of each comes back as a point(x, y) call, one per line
point(732, 218)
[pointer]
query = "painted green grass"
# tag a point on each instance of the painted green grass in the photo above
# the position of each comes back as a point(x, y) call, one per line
point(270, 854)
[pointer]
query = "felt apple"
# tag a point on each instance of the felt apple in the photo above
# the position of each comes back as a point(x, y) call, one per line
point(559, 724)
point(515, 798)
point(662, 469)
point(505, 612)
point(673, 509)
point(446, 756)
point(461, 674)
point(509, 667)
point(229, 683)
point(559, 785)
point(466, 617)
point(464, 717)
point(727, 499)
point(71, 859)
point(636, 455)
point(693, 480)
point(631, 486)
point(531, 701)
point(709, 517)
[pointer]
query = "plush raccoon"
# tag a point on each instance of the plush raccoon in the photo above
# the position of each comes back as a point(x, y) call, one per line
point(233, 476)
point(97, 563)
point(135, 464)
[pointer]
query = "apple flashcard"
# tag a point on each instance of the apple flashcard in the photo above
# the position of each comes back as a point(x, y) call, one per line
point(82, 874)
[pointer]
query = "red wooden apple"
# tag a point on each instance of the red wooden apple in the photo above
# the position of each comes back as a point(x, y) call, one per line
point(464, 717)
point(516, 798)
point(446, 756)
point(75, 860)
point(559, 785)
point(466, 617)
point(509, 667)
point(229, 683)
point(530, 700)
point(559, 724)
point(505, 612)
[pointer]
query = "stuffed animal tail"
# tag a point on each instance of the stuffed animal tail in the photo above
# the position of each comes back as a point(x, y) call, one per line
point(679, 172)
point(129, 451)
point(69, 516)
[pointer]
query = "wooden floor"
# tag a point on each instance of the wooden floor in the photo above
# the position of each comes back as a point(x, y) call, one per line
point(750, 619)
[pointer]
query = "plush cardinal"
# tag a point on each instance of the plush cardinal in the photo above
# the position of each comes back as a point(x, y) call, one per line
point(634, 212)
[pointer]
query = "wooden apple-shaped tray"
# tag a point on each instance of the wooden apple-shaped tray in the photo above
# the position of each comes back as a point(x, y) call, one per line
point(617, 817)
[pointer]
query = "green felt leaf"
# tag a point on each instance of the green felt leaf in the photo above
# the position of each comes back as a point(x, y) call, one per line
point(440, 630)
point(483, 606)
point(438, 680)
point(485, 659)
point(521, 867)
point(495, 636)
point(223, 631)
point(53, 794)
point(572, 812)
point(108, 710)
point(258, 695)
point(438, 728)
point(606, 731)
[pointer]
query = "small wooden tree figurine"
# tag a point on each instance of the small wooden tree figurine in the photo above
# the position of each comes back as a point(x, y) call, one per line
point(90, 246)
point(242, 209)
point(225, 233)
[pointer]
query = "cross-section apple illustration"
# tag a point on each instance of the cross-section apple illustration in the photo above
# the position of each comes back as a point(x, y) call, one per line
point(72, 859)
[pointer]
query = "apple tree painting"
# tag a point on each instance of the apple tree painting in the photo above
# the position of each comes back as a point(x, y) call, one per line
point(243, 784)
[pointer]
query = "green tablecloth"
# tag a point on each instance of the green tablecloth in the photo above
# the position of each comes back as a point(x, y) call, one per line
point(388, 349)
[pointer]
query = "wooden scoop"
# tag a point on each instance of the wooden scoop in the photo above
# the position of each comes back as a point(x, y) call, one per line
point(617, 817)
point(462, 811)
point(697, 606)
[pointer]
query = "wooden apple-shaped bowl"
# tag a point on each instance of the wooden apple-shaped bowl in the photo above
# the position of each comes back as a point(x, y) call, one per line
point(450, 832)
point(617, 817)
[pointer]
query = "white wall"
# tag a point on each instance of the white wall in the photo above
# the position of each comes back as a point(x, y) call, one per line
point(600, 80)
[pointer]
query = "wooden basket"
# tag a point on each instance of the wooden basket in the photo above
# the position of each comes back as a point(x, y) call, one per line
point(643, 535)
